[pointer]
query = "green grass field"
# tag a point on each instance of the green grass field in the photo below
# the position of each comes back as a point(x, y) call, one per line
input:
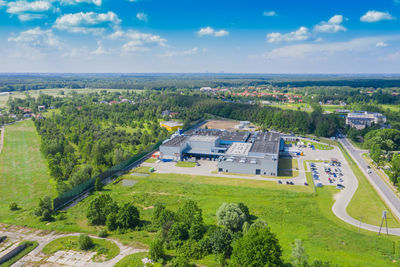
point(106, 250)
point(185, 164)
point(291, 211)
point(24, 176)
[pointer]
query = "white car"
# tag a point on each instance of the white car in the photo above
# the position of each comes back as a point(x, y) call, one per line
point(369, 171)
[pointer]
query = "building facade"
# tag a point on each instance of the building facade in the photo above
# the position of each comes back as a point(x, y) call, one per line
point(236, 152)
point(362, 119)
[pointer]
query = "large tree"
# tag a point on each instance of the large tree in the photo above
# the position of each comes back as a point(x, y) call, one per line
point(259, 247)
point(231, 216)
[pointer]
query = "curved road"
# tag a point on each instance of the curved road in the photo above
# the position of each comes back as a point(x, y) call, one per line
point(344, 198)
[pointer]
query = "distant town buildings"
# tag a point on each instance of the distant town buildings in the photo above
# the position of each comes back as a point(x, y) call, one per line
point(362, 119)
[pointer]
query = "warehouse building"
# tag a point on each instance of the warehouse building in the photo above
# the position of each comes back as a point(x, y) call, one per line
point(236, 152)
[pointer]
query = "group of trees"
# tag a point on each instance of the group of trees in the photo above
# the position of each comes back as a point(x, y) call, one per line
point(240, 239)
point(103, 210)
point(83, 137)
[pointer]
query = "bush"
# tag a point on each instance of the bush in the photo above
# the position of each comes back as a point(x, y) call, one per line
point(99, 208)
point(196, 231)
point(85, 242)
point(45, 209)
point(191, 249)
point(102, 233)
point(128, 216)
point(177, 232)
point(157, 249)
point(111, 222)
point(180, 262)
point(98, 184)
point(14, 206)
point(220, 241)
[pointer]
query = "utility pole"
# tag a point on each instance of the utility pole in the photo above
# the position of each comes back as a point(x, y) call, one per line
point(384, 218)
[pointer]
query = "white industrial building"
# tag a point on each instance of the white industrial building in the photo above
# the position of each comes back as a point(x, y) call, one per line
point(236, 152)
point(362, 119)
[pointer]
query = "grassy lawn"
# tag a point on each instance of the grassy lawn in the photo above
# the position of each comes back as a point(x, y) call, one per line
point(291, 212)
point(133, 260)
point(151, 160)
point(285, 163)
point(185, 164)
point(142, 169)
point(31, 245)
point(106, 250)
point(24, 176)
point(366, 205)
point(319, 146)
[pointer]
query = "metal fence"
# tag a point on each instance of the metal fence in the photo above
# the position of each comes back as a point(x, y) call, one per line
point(65, 198)
point(72, 194)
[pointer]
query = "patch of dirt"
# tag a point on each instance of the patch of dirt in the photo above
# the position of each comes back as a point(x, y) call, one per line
point(149, 207)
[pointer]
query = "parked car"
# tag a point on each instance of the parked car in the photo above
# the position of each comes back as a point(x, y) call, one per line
point(319, 185)
point(339, 186)
point(279, 182)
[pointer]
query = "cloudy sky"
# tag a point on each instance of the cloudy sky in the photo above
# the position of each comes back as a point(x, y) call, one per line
point(240, 36)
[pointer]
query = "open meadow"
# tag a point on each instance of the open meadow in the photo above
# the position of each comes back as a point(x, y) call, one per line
point(292, 212)
point(24, 176)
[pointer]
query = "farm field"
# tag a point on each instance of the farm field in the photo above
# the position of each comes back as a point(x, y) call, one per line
point(291, 212)
point(24, 176)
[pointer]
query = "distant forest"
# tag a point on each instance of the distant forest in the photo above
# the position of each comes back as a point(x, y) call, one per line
point(23, 82)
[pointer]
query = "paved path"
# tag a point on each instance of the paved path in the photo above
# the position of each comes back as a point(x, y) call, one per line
point(207, 167)
point(345, 196)
point(381, 187)
point(16, 234)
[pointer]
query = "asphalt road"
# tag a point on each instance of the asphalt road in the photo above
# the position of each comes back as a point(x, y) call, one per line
point(392, 201)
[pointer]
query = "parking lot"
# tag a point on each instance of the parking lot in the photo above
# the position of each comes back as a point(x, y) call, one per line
point(328, 173)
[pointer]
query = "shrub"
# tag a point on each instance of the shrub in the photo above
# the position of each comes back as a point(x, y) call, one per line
point(128, 216)
point(98, 184)
point(178, 231)
point(85, 242)
point(14, 206)
point(111, 222)
point(157, 249)
point(196, 231)
point(99, 208)
point(191, 249)
point(180, 261)
point(220, 241)
point(102, 233)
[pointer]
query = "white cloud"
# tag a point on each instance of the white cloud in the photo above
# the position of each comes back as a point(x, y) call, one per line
point(192, 51)
point(142, 16)
point(334, 24)
point(75, 2)
point(358, 45)
point(381, 44)
point(375, 16)
point(37, 38)
point(210, 31)
point(137, 41)
point(89, 22)
point(299, 35)
point(28, 10)
point(270, 13)
point(100, 49)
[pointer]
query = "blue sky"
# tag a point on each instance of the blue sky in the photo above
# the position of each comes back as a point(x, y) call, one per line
point(308, 36)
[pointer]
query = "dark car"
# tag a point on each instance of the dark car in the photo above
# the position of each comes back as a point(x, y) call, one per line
point(279, 182)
